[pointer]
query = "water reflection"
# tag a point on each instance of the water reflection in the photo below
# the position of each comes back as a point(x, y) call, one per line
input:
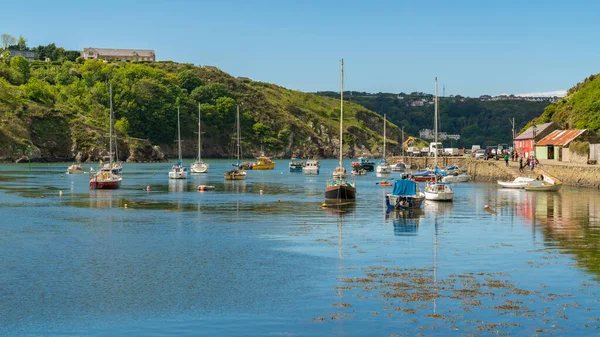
point(569, 220)
point(406, 221)
point(177, 185)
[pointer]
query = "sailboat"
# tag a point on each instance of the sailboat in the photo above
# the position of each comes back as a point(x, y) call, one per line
point(384, 167)
point(237, 173)
point(199, 166)
point(105, 177)
point(339, 188)
point(178, 171)
point(438, 190)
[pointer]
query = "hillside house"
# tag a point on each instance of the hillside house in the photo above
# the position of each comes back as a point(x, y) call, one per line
point(118, 54)
point(525, 141)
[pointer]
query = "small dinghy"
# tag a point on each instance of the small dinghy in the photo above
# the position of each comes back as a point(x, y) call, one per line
point(205, 187)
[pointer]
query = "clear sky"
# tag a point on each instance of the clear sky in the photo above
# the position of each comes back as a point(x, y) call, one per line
point(474, 47)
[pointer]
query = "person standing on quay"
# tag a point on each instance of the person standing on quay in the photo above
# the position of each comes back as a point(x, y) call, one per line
point(506, 158)
point(521, 164)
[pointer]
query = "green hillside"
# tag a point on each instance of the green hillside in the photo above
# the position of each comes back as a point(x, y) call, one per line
point(60, 108)
point(580, 109)
point(478, 122)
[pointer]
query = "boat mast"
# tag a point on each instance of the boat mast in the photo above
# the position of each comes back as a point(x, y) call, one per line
point(110, 128)
point(384, 135)
point(435, 124)
point(199, 138)
point(238, 134)
point(178, 137)
point(341, 112)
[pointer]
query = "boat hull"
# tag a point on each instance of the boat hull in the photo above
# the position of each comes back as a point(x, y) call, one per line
point(404, 202)
point(178, 175)
point(439, 196)
point(384, 169)
point(295, 168)
point(311, 170)
point(75, 171)
point(199, 168)
point(340, 192)
point(461, 178)
point(423, 178)
point(519, 183)
point(543, 188)
point(105, 185)
point(234, 175)
point(263, 167)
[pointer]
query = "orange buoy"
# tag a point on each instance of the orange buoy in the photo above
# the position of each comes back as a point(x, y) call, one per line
point(486, 207)
point(148, 188)
point(202, 188)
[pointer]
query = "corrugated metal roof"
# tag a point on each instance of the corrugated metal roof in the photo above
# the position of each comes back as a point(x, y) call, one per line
point(560, 137)
point(528, 134)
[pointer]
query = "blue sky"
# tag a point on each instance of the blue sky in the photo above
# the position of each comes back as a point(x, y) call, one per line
point(473, 47)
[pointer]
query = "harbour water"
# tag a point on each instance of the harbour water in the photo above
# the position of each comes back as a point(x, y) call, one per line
point(238, 262)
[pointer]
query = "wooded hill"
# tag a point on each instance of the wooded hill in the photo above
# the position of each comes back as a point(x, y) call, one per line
point(478, 122)
point(61, 110)
point(580, 109)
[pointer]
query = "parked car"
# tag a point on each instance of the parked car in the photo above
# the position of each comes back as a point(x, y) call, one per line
point(480, 154)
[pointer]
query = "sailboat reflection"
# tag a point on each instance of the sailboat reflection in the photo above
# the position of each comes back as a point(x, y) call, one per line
point(406, 221)
point(105, 198)
point(177, 185)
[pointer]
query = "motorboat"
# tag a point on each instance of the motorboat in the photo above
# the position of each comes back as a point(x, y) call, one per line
point(75, 169)
point(311, 167)
point(423, 176)
point(296, 165)
point(235, 174)
point(519, 182)
point(405, 194)
point(400, 166)
point(367, 164)
point(206, 187)
point(439, 191)
point(358, 171)
point(263, 163)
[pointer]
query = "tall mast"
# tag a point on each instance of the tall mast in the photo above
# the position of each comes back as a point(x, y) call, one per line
point(341, 110)
point(178, 136)
point(384, 135)
point(238, 134)
point(435, 124)
point(110, 127)
point(199, 138)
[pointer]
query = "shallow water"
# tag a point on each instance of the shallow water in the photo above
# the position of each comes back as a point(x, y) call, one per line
point(233, 261)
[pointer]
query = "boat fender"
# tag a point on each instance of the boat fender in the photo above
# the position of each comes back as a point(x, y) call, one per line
point(261, 192)
point(60, 193)
point(148, 188)
point(324, 205)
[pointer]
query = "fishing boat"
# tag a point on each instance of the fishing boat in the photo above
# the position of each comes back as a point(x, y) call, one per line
point(178, 171)
point(367, 164)
point(75, 169)
point(435, 189)
point(237, 173)
point(519, 182)
point(400, 166)
point(312, 167)
point(296, 165)
point(405, 194)
point(263, 163)
point(384, 167)
point(199, 166)
point(339, 188)
point(105, 178)
point(358, 171)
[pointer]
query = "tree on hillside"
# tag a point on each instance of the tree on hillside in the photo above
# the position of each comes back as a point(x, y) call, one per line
point(189, 80)
point(210, 93)
point(20, 64)
point(22, 43)
point(8, 40)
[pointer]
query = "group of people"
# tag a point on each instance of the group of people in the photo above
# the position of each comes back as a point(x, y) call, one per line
point(529, 162)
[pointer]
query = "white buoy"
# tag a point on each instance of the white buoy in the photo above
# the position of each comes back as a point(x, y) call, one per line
point(60, 193)
point(261, 192)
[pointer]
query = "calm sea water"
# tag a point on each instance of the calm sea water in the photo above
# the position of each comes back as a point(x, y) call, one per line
point(233, 261)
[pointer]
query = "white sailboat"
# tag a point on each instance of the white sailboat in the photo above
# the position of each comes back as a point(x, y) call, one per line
point(384, 167)
point(178, 171)
point(237, 173)
point(199, 166)
point(438, 190)
point(106, 178)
